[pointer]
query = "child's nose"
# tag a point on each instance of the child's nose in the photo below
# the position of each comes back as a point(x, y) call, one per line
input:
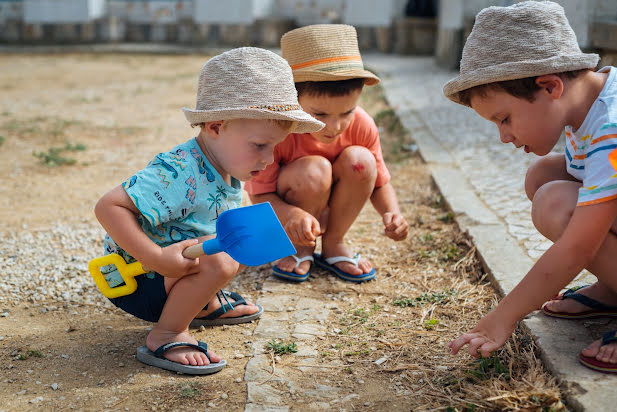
point(268, 158)
point(505, 137)
point(333, 126)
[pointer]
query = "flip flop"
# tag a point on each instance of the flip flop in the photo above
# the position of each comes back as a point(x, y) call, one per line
point(593, 363)
point(328, 264)
point(214, 318)
point(597, 309)
point(156, 358)
point(293, 276)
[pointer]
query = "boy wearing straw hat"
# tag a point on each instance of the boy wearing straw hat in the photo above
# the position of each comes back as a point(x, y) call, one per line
point(246, 104)
point(319, 181)
point(522, 69)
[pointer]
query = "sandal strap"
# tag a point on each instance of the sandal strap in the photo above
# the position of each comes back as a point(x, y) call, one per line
point(302, 259)
point(239, 300)
point(609, 337)
point(201, 346)
point(585, 300)
point(336, 259)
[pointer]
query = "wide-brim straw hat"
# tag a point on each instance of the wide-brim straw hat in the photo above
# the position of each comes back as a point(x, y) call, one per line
point(527, 39)
point(325, 52)
point(249, 83)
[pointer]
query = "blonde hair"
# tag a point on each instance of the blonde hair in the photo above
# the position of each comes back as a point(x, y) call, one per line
point(288, 125)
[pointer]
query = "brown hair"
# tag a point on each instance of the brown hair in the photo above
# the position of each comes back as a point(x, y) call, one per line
point(525, 88)
point(282, 123)
point(334, 88)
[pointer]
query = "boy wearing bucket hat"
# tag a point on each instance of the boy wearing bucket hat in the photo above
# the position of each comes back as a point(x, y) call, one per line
point(319, 181)
point(522, 69)
point(246, 104)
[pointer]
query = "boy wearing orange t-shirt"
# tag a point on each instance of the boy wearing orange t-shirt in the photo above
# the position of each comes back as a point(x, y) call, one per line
point(319, 182)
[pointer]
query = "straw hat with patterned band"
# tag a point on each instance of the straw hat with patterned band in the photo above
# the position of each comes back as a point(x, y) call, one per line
point(249, 83)
point(325, 52)
point(527, 39)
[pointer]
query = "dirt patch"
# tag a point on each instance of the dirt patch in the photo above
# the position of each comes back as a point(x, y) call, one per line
point(64, 347)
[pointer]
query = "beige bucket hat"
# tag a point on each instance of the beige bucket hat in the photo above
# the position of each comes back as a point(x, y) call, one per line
point(526, 39)
point(325, 52)
point(249, 83)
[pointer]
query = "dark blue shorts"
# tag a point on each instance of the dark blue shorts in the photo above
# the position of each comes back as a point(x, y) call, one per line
point(147, 301)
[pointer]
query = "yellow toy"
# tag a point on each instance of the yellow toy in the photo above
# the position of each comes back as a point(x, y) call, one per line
point(240, 232)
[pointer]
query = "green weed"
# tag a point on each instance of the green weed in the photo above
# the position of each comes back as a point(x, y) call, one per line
point(54, 155)
point(450, 252)
point(487, 368)
point(30, 353)
point(281, 349)
point(435, 297)
point(189, 390)
point(430, 324)
point(425, 238)
point(446, 218)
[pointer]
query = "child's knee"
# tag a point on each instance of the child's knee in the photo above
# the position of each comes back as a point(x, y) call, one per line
point(532, 178)
point(550, 210)
point(220, 265)
point(358, 163)
point(316, 177)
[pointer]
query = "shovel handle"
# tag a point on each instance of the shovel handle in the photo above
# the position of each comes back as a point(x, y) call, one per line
point(194, 251)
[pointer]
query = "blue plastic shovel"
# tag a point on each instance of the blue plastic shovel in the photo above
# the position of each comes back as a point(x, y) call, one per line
point(251, 235)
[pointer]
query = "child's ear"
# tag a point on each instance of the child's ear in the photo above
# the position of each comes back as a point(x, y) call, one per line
point(213, 129)
point(551, 84)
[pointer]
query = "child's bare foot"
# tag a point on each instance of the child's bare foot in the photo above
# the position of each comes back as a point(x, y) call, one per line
point(240, 310)
point(597, 292)
point(604, 353)
point(183, 355)
point(332, 249)
point(288, 263)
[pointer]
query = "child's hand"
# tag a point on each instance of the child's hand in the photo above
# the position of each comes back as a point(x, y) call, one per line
point(490, 334)
point(302, 228)
point(171, 263)
point(396, 226)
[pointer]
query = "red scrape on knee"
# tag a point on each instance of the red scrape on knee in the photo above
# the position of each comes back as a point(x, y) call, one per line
point(357, 167)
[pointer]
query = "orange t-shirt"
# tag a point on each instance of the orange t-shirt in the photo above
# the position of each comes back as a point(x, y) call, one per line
point(362, 131)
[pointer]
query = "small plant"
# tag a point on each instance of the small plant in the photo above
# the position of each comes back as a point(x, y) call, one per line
point(450, 252)
point(435, 297)
point(429, 324)
point(53, 156)
point(447, 218)
point(281, 349)
point(437, 202)
point(487, 368)
point(189, 390)
point(425, 238)
point(1, 140)
point(30, 353)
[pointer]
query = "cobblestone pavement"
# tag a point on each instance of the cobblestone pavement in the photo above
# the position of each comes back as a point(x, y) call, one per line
point(482, 181)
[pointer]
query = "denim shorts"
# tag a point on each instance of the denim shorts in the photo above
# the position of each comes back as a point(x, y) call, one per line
point(147, 301)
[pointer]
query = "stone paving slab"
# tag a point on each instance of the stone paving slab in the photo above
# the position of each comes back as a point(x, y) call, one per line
point(482, 181)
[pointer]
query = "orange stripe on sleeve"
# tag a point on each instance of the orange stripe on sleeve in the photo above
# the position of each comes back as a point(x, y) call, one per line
point(606, 136)
point(596, 201)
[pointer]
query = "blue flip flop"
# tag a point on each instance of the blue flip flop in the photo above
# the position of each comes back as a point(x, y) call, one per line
point(156, 358)
point(293, 276)
point(328, 264)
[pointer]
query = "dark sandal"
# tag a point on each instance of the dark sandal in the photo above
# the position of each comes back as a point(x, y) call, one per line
point(214, 318)
point(597, 309)
point(156, 358)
